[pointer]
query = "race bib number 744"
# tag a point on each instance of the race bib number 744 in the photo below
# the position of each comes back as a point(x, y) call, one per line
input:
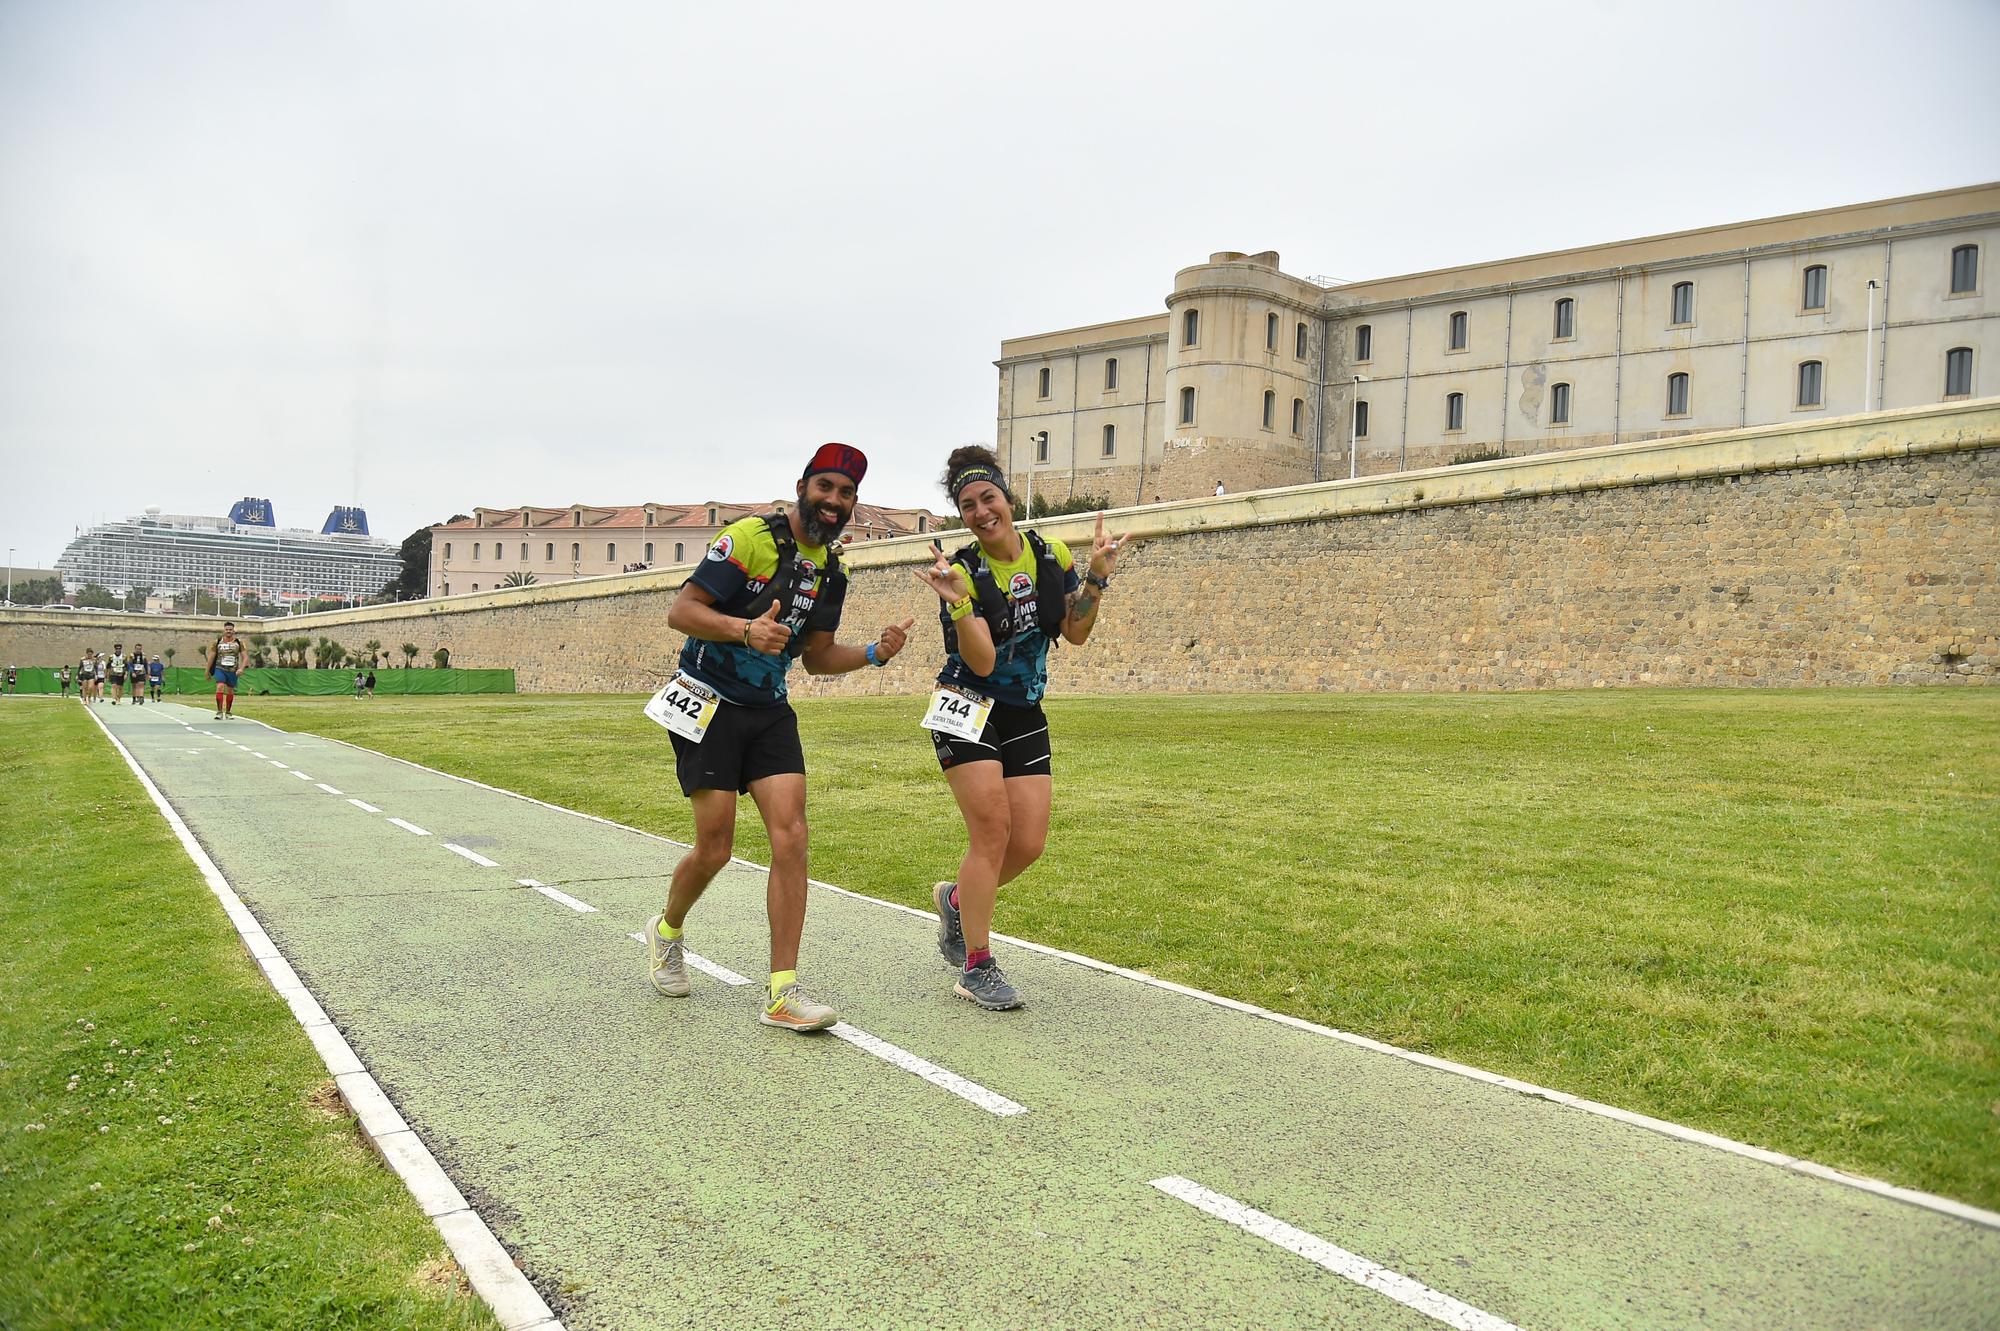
point(957, 713)
point(684, 707)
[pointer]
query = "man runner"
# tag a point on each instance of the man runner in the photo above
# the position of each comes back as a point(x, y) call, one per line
point(12, 676)
point(156, 675)
point(136, 671)
point(63, 677)
point(115, 669)
point(770, 591)
point(222, 660)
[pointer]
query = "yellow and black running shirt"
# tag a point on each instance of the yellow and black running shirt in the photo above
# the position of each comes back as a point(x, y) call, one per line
point(741, 563)
point(1021, 669)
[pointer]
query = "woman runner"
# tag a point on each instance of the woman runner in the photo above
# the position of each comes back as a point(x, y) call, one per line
point(1005, 597)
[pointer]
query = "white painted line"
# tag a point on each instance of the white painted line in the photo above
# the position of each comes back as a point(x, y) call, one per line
point(991, 1101)
point(713, 969)
point(278, 762)
point(580, 907)
point(472, 855)
point(363, 805)
point(300, 775)
point(328, 789)
point(486, 1263)
point(411, 828)
point(1369, 1275)
point(1678, 1131)
point(255, 754)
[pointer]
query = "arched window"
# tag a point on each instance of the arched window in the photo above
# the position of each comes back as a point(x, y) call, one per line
point(1958, 372)
point(1559, 404)
point(1454, 412)
point(1811, 382)
point(447, 549)
point(1460, 329)
point(611, 551)
point(1565, 318)
point(1111, 374)
point(475, 552)
point(1298, 415)
point(1187, 406)
point(1270, 408)
point(575, 553)
point(1683, 310)
point(549, 552)
point(1190, 327)
point(1270, 332)
point(1677, 395)
point(1361, 420)
point(649, 552)
point(1364, 342)
point(1110, 443)
point(1043, 377)
point(1812, 288)
point(680, 549)
point(711, 515)
point(1964, 269)
point(1299, 340)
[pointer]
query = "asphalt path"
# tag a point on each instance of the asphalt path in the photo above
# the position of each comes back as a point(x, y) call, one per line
point(1116, 1154)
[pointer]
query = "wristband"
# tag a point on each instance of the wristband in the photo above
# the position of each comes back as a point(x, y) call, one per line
point(960, 609)
point(873, 659)
point(1102, 584)
point(746, 633)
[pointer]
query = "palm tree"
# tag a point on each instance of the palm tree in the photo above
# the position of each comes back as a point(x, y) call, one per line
point(409, 650)
point(299, 646)
point(258, 641)
point(519, 578)
point(170, 662)
point(374, 646)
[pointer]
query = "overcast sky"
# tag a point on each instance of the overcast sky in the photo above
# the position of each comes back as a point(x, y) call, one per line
point(423, 256)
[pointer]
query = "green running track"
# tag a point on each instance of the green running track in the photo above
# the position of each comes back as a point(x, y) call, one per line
point(1117, 1154)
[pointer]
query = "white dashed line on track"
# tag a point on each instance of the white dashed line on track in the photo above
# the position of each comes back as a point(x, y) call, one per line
point(713, 969)
point(328, 789)
point(300, 775)
point(991, 1101)
point(411, 828)
point(1369, 1275)
point(276, 762)
point(255, 754)
point(580, 907)
point(472, 855)
point(363, 805)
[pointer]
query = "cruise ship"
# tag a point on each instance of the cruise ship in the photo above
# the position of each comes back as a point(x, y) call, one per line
point(246, 552)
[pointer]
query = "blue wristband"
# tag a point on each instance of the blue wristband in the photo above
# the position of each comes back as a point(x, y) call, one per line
point(871, 656)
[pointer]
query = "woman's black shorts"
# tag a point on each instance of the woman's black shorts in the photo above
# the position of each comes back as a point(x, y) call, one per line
point(1015, 737)
point(743, 744)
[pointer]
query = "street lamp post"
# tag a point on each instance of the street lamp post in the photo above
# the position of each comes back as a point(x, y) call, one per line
point(10, 575)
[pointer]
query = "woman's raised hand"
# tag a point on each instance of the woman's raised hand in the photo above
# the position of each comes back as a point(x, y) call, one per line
point(946, 579)
point(1104, 549)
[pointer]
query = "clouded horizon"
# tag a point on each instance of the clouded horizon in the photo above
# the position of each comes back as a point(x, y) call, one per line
point(434, 256)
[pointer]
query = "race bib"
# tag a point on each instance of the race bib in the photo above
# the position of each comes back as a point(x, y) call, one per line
point(957, 713)
point(685, 707)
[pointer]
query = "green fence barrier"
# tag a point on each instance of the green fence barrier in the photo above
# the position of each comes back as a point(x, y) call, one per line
point(182, 681)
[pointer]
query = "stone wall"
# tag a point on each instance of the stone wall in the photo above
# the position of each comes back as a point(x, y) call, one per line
point(1853, 551)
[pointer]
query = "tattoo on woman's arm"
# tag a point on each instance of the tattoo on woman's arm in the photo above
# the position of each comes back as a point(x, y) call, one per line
point(1085, 603)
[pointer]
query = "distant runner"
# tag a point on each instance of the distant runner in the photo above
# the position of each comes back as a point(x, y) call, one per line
point(11, 679)
point(769, 591)
point(156, 675)
point(62, 677)
point(135, 671)
point(222, 661)
point(115, 672)
point(1005, 598)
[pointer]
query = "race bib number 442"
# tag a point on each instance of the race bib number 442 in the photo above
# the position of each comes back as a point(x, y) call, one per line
point(957, 713)
point(685, 707)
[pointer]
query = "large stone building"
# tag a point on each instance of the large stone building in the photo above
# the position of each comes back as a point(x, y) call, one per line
point(498, 547)
point(1255, 378)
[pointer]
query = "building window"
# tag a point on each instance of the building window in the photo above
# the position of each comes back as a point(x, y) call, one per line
point(447, 589)
point(711, 515)
point(475, 552)
point(1565, 318)
point(475, 586)
point(1111, 374)
point(447, 549)
point(1459, 324)
point(575, 553)
point(1683, 311)
point(1559, 405)
point(1043, 377)
point(1958, 372)
point(1811, 381)
point(1187, 406)
point(1361, 420)
point(1364, 342)
point(1042, 446)
point(549, 552)
point(649, 552)
point(1812, 291)
point(1677, 395)
point(1110, 445)
point(1298, 415)
point(1454, 412)
point(1190, 327)
point(1299, 340)
point(1964, 270)
point(1270, 408)
point(576, 519)
point(1270, 332)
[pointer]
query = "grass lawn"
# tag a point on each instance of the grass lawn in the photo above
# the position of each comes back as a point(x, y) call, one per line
point(1772, 915)
point(172, 1153)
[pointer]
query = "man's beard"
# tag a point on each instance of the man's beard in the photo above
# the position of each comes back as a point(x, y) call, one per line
point(817, 530)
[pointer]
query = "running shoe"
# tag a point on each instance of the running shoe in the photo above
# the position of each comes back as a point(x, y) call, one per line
point(951, 935)
point(795, 1011)
point(670, 973)
point(218, 716)
point(985, 985)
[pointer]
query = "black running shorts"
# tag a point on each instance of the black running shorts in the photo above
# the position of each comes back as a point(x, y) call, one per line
point(1015, 737)
point(743, 744)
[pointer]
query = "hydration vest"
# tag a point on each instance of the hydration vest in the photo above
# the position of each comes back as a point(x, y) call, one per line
point(832, 592)
point(1051, 597)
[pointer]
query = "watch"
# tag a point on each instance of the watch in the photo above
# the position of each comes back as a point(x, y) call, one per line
point(1102, 584)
